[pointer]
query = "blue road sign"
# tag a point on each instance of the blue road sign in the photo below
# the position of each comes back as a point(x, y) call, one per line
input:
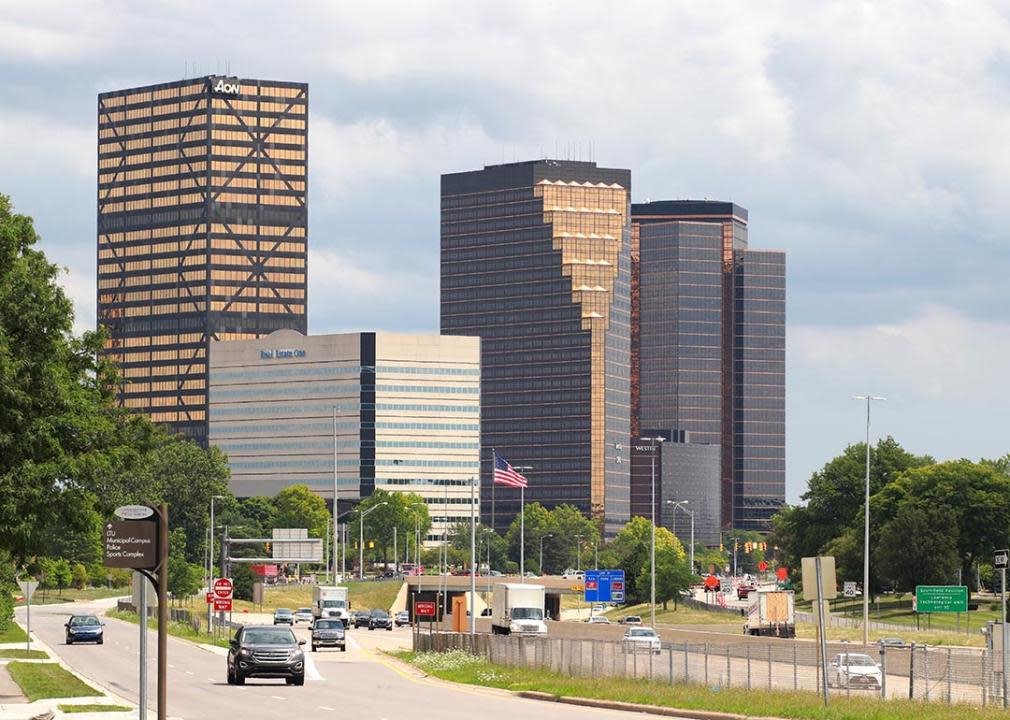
point(603, 586)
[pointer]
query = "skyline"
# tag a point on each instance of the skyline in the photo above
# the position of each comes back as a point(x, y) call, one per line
point(871, 157)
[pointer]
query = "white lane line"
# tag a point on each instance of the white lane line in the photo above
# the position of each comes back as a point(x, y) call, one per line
point(189, 672)
point(353, 642)
point(311, 671)
point(276, 697)
point(171, 666)
point(323, 707)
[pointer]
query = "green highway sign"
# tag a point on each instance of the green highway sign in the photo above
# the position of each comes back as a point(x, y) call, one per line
point(941, 598)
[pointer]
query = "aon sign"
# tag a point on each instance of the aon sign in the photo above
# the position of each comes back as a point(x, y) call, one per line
point(226, 86)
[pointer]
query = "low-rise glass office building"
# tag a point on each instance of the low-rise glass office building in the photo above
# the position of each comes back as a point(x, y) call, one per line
point(394, 411)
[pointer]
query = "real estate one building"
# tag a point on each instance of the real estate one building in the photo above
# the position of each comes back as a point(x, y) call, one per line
point(202, 230)
point(374, 410)
point(535, 261)
point(708, 349)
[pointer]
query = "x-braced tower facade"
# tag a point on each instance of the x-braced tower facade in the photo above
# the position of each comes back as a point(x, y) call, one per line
point(202, 230)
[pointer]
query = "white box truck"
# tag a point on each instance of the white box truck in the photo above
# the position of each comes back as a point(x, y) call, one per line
point(330, 601)
point(771, 612)
point(518, 608)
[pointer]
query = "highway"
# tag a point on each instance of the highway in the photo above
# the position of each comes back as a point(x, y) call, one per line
point(361, 683)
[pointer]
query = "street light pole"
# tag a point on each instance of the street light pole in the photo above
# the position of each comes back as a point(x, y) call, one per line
point(866, 524)
point(210, 559)
point(361, 539)
point(522, 523)
point(578, 553)
point(656, 441)
point(541, 566)
point(680, 504)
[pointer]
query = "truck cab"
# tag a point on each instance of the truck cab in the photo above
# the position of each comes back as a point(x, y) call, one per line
point(518, 608)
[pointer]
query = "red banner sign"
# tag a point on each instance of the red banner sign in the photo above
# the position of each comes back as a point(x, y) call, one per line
point(222, 604)
point(617, 586)
point(424, 609)
point(762, 566)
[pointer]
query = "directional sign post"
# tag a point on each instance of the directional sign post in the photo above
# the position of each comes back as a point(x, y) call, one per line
point(28, 589)
point(941, 598)
point(603, 586)
point(1000, 560)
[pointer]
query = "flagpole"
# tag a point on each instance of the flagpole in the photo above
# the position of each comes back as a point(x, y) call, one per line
point(494, 454)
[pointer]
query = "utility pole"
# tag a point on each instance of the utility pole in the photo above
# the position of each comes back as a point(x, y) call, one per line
point(656, 441)
point(866, 525)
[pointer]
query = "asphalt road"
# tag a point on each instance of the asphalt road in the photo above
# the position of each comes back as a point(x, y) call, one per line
point(361, 683)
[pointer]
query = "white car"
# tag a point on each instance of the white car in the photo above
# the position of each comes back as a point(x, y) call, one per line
point(574, 575)
point(598, 620)
point(852, 670)
point(642, 639)
point(303, 615)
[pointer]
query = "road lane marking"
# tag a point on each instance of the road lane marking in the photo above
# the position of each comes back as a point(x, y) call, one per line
point(323, 707)
point(276, 697)
point(189, 672)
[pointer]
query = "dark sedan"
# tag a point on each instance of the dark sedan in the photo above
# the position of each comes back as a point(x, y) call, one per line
point(328, 633)
point(84, 628)
point(361, 618)
point(379, 619)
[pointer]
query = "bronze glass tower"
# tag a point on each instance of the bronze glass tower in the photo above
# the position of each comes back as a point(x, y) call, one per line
point(535, 261)
point(202, 230)
point(708, 346)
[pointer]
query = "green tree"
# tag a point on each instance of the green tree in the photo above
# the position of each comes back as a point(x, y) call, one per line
point(298, 507)
point(394, 513)
point(79, 576)
point(673, 576)
point(8, 587)
point(243, 578)
point(918, 547)
point(630, 551)
point(975, 496)
point(537, 523)
point(257, 515)
point(571, 533)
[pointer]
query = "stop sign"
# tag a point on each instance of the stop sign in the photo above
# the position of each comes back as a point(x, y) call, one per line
point(782, 573)
point(223, 588)
point(762, 566)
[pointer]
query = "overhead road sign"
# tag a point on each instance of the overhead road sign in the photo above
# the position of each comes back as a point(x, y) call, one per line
point(602, 586)
point(941, 598)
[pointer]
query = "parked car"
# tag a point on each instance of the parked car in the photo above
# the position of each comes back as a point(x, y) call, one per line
point(328, 632)
point(284, 616)
point(642, 639)
point(84, 628)
point(303, 615)
point(361, 618)
point(265, 651)
point(852, 669)
point(743, 591)
point(631, 620)
point(486, 612)
point(402, 618)
point(598, 620)
point(379, 619)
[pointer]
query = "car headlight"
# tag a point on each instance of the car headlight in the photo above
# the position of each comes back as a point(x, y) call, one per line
point(245, 652)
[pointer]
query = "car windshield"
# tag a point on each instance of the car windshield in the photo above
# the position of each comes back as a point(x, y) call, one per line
point(84, 620)
point(527, 614)
point(282, 611)
point(379, 614)
point(304, 611)
point(641, 632)
point(860, 661)
point(333, 603)
point(328, 624)
point(268, 636)
point(632, 618)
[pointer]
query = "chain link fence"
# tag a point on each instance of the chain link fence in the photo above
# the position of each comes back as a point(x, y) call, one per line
point(934, 674)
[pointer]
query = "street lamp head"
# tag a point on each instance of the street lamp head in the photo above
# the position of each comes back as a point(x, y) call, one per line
point(868, 397)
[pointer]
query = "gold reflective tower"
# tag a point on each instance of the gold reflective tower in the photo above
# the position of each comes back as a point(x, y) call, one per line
point(202, 230)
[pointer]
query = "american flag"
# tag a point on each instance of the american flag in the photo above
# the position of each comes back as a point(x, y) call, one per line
point(505, 475)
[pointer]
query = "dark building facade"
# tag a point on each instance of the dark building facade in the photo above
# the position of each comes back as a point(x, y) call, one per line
point(202, 230)
point(708, 342)
point(535, 260)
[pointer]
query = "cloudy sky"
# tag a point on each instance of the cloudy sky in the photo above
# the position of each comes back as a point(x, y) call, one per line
point(870, 141)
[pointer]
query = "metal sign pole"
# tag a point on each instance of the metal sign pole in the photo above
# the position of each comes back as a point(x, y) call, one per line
point(823, 639)
point(162, 612)
point(28, 636)
point(1006, 645)
point(142, 614)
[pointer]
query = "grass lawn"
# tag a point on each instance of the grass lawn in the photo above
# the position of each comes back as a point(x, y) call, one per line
point(52, 596)
point(683, 615)
point(12, 633)
point(12, 654)
point(363, 595)
point(70, 709)
point(894, 610)
point(48, 680)
point(176, 629)
point(459, 667)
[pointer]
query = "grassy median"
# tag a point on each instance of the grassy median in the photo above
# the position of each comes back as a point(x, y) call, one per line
point(177, 629)
point(19, 654)
point(71, 709)
point(12, 632)
point(460, 667)
point(39, 681)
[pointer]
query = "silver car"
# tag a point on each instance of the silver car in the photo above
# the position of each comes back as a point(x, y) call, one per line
point(855, 670)
point(642, 639)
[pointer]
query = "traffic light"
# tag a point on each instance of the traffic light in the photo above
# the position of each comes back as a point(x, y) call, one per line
point(747, 547)
point(268, 545)
point(722, 548)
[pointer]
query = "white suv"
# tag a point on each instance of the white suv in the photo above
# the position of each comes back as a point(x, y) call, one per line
point(574, 575)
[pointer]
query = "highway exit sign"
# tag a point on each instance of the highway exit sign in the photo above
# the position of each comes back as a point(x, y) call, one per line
point(941, 598)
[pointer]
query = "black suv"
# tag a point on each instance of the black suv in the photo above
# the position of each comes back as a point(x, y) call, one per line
point(266, 651)
point(328, 633)
point(379, 619)
point(362, 618)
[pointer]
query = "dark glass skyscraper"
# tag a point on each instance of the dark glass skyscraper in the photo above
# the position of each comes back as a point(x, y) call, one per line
point(535, 261)
point(202, 220)
point(708, 338)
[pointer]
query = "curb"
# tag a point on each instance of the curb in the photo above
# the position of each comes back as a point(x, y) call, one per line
point(638, 708)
